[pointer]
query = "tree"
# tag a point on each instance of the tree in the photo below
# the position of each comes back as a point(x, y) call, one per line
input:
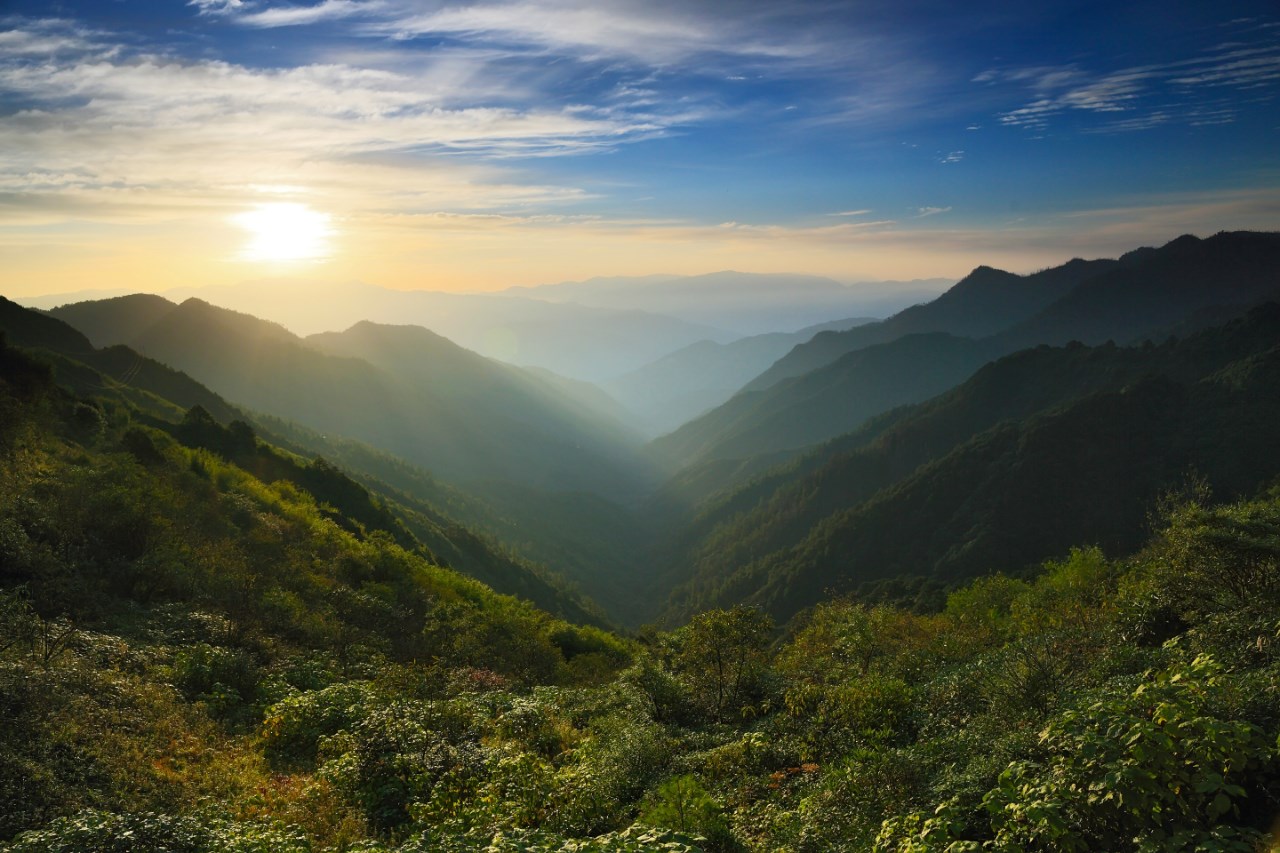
point(723, 655)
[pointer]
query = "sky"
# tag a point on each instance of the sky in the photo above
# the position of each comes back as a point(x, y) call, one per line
point(147, 144)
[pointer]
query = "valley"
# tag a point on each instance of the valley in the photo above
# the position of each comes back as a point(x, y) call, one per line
point(369, 589)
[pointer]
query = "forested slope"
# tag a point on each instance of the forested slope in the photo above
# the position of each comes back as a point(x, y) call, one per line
point(171, 401)
point(194, 660)
point(1040, 450)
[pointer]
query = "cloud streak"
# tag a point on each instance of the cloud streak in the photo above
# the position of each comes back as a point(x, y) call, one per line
point(1067, 90)
point(101, 120)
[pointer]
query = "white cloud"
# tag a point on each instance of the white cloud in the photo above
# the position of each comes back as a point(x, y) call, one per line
point(654, 33)
point(851, 213)
point(922, 212)
point(1179, 84)
point(128, 129)
point(951, 157)
point(292, 16)
point(216, 7)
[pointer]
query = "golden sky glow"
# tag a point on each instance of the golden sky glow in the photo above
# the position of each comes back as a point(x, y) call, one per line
point(490, 143)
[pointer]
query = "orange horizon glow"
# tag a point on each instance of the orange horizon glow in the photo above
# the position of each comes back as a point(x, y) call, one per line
point(480, 253)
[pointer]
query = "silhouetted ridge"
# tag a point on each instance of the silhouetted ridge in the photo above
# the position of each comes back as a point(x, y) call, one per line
point(118, 320)
point(28, 328)
point(1187, 281)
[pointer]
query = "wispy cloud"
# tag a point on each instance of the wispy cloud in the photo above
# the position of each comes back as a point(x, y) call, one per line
point(108, 122)
point(850, 73)
point(1179, 85)
point(216, 7)
point(292, 16)
point(851, 213)
point(651, 32)
point(922, 212)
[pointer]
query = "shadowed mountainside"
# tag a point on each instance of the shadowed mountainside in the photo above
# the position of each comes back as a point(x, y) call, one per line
point(1142, 295)
point(1038, 450)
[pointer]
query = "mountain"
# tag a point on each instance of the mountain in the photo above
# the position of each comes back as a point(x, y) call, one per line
point(151, 386)
point(171, 401)
point(1039, 450)
point(677, 387)
point(825, 402)
point(444, 373)
point(1150, 291)
point(982, 303)
point(578, 341)
point(114, 320)
point(465, 417)
point(747, 303)
point(1143, 294)
point(31, 329)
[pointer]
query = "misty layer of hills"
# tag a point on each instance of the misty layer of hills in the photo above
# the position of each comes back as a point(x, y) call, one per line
point(598, 330)
point(985, 430)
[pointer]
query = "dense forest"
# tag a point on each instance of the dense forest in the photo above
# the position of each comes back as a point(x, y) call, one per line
point(1024, 599)
point(208, 643)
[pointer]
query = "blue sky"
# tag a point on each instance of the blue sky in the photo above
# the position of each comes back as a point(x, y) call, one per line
point(482, 144)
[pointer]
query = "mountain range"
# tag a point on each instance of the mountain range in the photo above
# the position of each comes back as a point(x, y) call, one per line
point(465, 417)
point(1038, 450)
point(745, 303)
point(677, 387)
point(838, 379)
point(882, 458)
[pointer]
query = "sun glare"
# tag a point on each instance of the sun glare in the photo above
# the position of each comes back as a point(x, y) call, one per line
point(284, 231)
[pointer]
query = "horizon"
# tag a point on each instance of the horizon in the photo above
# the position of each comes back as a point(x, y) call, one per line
point(490, 145)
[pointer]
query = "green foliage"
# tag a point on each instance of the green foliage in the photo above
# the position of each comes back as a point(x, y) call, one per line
point(1033, 455)
point(633, 839)
point(147, 832)
point(1158, 769)
point(292, 728)
point(721, 653)
point(683, 804)
point(197, 654)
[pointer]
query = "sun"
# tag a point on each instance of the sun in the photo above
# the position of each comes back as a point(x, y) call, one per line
point(284, 231)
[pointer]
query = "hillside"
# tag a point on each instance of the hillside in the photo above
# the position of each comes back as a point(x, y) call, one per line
point(408, 404)
point(825, 402)
point(425, 364)
point(1039, 450)
point(168, 400)
point(194, 660)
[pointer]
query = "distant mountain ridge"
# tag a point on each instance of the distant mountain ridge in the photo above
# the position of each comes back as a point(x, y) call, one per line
point(677, 387)
point(409, 402)
point(982, 303)
point(578, 341)
point(746, 303)
point(1140, 295)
